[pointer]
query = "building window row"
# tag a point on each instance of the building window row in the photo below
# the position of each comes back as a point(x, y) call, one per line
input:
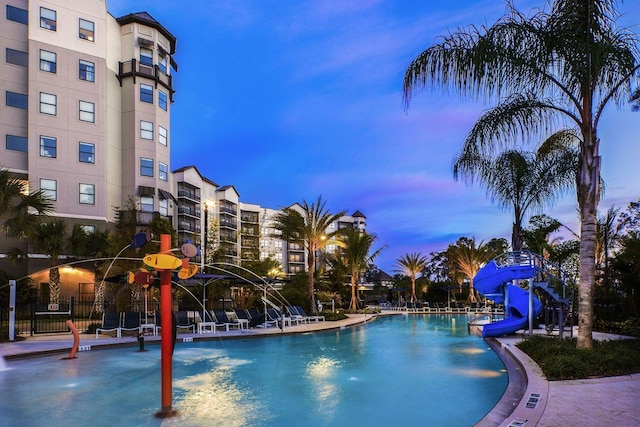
point(17, 143)
point(49, 21)
point(49, 147)
point(87, 152)
point(17, 57)
point(48, 104)
point(48, 61)
point(17, 100)
point(86, 192)
point(146, 132)
point(18, 15)
point(146, 167)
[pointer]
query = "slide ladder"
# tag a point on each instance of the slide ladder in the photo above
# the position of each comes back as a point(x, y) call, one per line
point(497, 281)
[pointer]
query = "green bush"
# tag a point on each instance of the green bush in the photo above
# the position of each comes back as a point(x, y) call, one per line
point(561, 360)
point(329, 316)
point(91, 329)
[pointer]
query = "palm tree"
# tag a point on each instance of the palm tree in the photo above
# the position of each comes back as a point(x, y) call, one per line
point(412, 265)
point(357, 257)
point(562, 66)
point(522, 180)
point(307, 223)
point(51, 238)
point(20, 210)
point(466, 259)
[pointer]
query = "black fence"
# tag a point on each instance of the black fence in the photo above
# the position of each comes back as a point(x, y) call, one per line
point(36, 318)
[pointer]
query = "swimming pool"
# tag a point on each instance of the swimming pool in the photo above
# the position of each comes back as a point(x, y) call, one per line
point(397, 370)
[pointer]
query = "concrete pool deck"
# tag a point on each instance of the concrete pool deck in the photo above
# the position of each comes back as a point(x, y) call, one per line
point(535, 402)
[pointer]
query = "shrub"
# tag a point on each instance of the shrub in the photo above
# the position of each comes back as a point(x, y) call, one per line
point(91, 329)
point(561, 360)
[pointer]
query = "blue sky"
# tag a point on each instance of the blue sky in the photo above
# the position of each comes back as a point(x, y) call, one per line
point(287, 100)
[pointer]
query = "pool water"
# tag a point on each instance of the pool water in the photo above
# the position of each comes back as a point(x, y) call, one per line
point(397, 370)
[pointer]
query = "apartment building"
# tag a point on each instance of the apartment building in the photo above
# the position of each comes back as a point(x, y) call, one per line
point(239, 231)
point(85, 111)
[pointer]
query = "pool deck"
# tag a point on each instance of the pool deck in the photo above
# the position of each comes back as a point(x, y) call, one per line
point(588, 402)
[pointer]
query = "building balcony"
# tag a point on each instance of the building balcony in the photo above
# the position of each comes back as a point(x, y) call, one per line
point(189, 211)
point(190, 195)
point(134, 68)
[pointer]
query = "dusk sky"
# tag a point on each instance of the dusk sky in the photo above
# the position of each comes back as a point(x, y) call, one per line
point(288, 100)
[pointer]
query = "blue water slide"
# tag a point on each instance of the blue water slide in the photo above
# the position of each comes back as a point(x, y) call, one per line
point(493, 282)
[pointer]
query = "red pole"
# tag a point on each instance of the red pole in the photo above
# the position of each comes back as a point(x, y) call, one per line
point(167, 326)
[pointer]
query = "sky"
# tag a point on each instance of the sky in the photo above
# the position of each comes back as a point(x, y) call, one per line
point(288, 100)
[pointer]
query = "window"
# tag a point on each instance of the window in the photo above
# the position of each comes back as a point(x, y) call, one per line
point(146, 204)
point(163, 171)
point(48, 61)
point(146, 93)
point(49, 188)
point(163, 207)
point(146, 130)
point(17, 143)
point(86, 30)
point(146, 56)
point(87, 194)
point(48, 103)
point(88, 229)
point(162, 64)
point(162, 135)
point(162, 100)
point(17, 100)
point(17, 57)
point(48, 19)
point(87, 152)
point(48, 147)
point(146, 166)
point(87, 111)
point(18, 15)
point(87, 71)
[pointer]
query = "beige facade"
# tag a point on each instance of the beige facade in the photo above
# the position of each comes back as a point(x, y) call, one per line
point(85, 112)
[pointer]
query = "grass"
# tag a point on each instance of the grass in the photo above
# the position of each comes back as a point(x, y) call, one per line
point(561, 360)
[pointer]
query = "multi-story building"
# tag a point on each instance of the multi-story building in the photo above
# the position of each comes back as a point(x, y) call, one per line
point(86, 119)
point(85, 111)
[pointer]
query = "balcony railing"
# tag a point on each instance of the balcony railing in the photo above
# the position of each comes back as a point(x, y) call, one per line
point(134, 68)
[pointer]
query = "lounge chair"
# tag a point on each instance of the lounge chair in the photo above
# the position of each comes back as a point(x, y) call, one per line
point(296, 316)
point(183, 322)
point(278, 317)
point(130, 322)
point(242, 316)
point(310, 318)
point(221, 318)
point(110, 323)
point(258, 319)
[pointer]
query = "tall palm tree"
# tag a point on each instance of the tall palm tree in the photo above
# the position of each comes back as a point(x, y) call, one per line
point(356, 247)
point(561, 66)
point(466, 259)
point(307, 223)
point(51, 237)
point(523, 181)
point(411, 265)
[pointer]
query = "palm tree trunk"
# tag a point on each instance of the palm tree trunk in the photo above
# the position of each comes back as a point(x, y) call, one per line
point(354, 294)
point(310, 289)
point(413, 290)
point(54, 285)
point(588, 195)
